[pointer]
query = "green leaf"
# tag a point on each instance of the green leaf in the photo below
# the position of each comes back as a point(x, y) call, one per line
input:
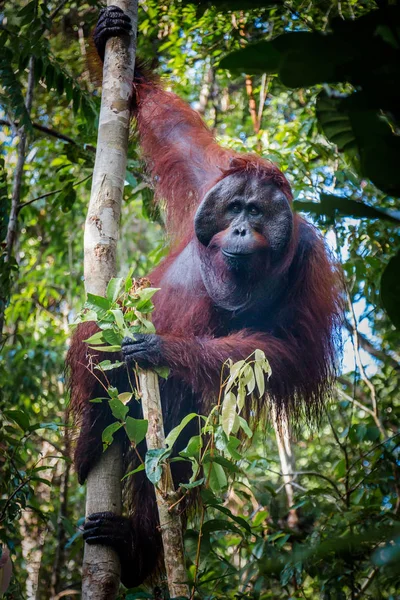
point(162, 372)
point(244, 425)
point(220, 525)
point(259, 379)
point(241, 396)
point(175, 432)
point(215, 476)
point(108, 434)
point(112, 337)
point(107, 365)
point(228, 412)
point(119, 318)
point(232, 447)
point(98, 304)
point(106, 348)
point(136, 429)
point(193, 448)
point(124, 397)
point(224, 462)
point(152, 464)
point(332, 206)
point(113, 289)
point(194, 484)
point(118, 409)
point(96, 338)
point(234, 373)
point(261, 57)
point(19, 417)
point(260, 518)
point(239, 520)
point(249, 379)
point(390, 289)
point(137, 470)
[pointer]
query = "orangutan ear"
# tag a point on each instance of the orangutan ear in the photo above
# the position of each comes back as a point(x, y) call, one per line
point(205, 220)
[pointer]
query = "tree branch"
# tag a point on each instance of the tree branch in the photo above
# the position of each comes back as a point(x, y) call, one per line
point(48, 131)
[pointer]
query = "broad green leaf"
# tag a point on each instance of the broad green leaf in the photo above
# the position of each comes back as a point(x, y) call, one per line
point(113, 289)
point(136, 429)
point(228, 412)
point(244, 425)
point(194, 484)
point(259, 355)
point(261, 57)
point(108, 434)
point(97, 338)
point(333, 206)
point(390, 289)
point(241, 396)
point(175, 432)
point(19, 417)
point(259, 379)
point(232, 447)
point(220, 525)
point(224, 462)
point(215, 476)
point(112, 337)
point(260, 517)
point(119, 318)
point(193, 448)
point(124, 397)
point(146, 325)
point(106, 348)
point(249, 379)
point(152, 464)
point(118, 409)
point(239, 520)
point(97, 302)
point(162, 372)
point(107, 365)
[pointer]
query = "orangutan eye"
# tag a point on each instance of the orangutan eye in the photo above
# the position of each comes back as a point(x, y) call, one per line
point(235, 207)
point(254, 210)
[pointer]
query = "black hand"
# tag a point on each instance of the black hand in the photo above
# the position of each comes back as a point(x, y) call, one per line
point(112, 22)
point(145, 350)
point(108, 529)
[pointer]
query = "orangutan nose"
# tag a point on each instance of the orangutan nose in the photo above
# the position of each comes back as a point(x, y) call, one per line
point(241, 231)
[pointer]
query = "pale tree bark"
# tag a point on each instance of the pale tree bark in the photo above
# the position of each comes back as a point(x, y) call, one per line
point(101, 568)
point(170, 521)
point(286, 458)
point(33, 529)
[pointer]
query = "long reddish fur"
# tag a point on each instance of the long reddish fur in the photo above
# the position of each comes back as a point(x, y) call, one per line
point(185, 162)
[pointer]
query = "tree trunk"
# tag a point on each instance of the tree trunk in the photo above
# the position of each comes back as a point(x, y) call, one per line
point(286, 457)
point(101, 568)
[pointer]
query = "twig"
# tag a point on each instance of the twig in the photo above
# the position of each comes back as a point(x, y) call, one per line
point(48, 131)
point(363, 375)
point(366, 345)
point(57, 9)
point(47, 194)
point(197, 561)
